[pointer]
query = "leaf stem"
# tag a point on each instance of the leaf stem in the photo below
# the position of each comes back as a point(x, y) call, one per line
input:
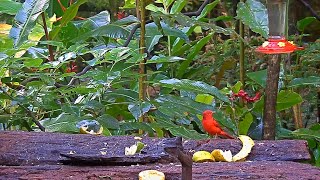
point(51, 57)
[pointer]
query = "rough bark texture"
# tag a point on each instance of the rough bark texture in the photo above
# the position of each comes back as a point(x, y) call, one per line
point(38, 155)
point(36, 148)
point(203, 171)
point(269, 114)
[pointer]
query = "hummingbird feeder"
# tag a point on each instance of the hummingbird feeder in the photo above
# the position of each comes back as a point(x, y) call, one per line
point(277, 42)
point(276, 45)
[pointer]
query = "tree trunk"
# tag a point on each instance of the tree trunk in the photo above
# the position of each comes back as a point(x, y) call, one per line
point(270, 100)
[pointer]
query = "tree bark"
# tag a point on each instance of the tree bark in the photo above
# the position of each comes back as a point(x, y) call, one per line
point(271, 92)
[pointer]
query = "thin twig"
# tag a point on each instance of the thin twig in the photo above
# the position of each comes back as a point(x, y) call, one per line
point(71, 82)
point(33, 117)
point(308, 6)
point(51, 58)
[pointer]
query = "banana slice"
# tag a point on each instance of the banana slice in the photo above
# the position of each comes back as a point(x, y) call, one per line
point(224, 156)
point(247, 144)
point(151, 175)
point(202, 156)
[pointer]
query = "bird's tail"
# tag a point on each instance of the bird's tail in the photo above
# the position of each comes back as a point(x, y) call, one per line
point(226, 135)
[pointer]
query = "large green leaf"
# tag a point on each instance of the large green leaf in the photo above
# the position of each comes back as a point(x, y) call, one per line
point(166, 30)
point(287, 99)
point(98, 20)
point(225, 121)
point(307, 133)
point(128, 126)
point(194, 51)
point(175, 107)
point(138, 109)
point(62, 123)
point(254, 14)
point(25, 20)
point(9, 7)
point(259, 77)
point(195, 86)
point(177, 6)
point(303, 23)
point(207, 9)
point(108, 121)
point(186, 133)
point(109, 30)
point(68, 15)
point(166, 59)
point(166, 123)
point(311, 80)
point(245, 123)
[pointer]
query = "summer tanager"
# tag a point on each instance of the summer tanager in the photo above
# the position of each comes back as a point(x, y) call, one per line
point(211, 126)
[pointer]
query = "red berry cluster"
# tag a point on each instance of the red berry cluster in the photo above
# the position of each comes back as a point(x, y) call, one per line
point(72, 67)
point(121, 15)
point(244, 95)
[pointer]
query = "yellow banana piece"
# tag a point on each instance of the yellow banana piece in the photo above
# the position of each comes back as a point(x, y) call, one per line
point(202, 156)
point(247, 144)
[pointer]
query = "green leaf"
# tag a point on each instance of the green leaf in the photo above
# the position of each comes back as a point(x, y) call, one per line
point(25, 20)
point(166, 59)
point(68, 15)
point(205, 98)
point(208, 9)
point(225, 121)
point(110, 30)
point(62, 123)
point(259, 77)
point(32, 62)
point(154, 8)
point(254, 14)
point(108, 121)
point(128, 126)
point(195, 86)
point(287, 99)
point(179, 107)
point(166, 29)
point(152, 41)
point(236, 88)
point(245, 123)
point(98, 20)
point(187, 133)
point(303, 23)
point(177, 6)
point(138, 109)
point(194, 51)
point(9, 7)
point(311, 80)
point(167, 3)
point(129, 4)
point(307, 133)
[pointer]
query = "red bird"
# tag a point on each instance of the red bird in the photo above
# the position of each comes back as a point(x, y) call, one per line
point(212, 126)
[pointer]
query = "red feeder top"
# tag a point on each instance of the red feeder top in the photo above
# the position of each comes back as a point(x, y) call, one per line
point(277, 46)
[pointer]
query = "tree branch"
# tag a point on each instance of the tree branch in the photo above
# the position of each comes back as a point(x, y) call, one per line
point(308, 6)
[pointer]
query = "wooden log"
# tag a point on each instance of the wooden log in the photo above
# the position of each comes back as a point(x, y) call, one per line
point(265, 150)
point(34, 148)
point(203, 171)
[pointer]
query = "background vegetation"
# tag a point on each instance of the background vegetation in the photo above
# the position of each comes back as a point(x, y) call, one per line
point(63, 62)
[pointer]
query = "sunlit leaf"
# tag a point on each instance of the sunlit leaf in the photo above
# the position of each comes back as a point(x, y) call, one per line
point(25, 20)
point(195, 86)
point(9, 7)
point(287, 99)
point(254, 14)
